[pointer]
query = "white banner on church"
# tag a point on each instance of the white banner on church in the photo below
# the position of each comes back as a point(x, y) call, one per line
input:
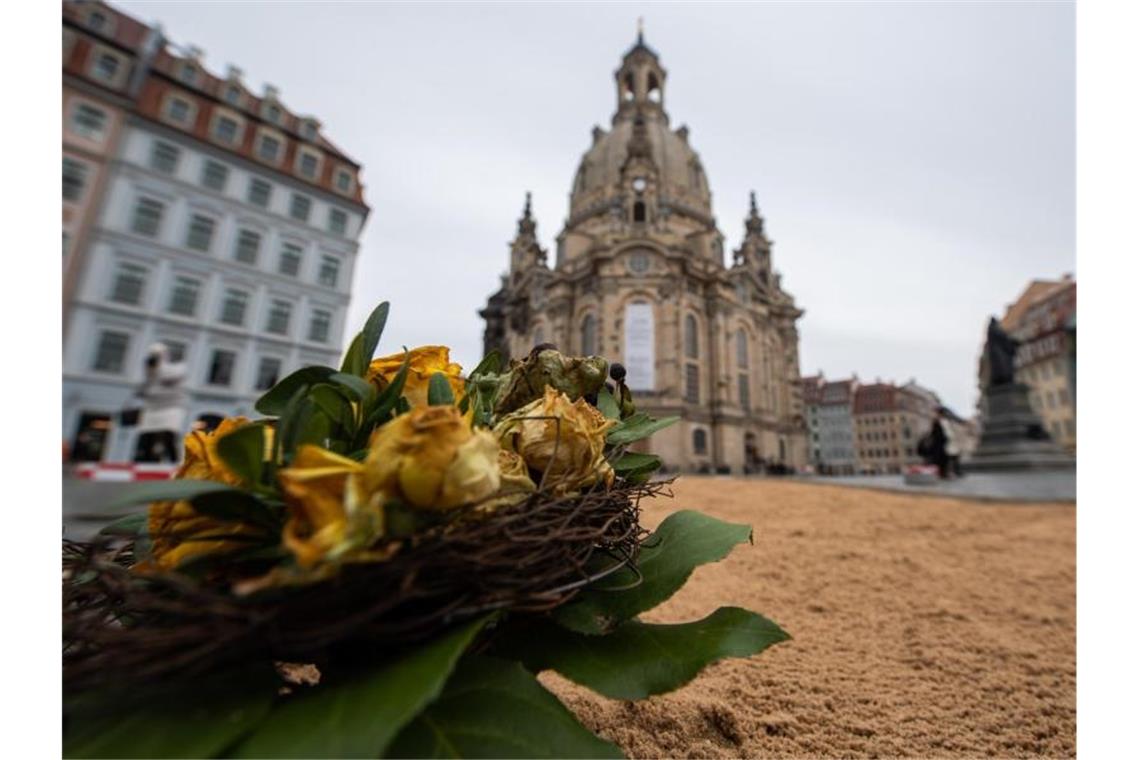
point(639, 348)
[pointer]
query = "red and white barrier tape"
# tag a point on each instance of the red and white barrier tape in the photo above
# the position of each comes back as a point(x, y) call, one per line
point(124, 471)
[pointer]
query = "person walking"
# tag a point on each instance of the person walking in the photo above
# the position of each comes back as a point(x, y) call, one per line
point(937, 446)
point(951, 447)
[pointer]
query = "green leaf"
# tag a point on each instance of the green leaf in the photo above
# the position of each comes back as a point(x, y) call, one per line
point(131, 525)
point(439, 391)
point(354, 362)
point(359, 717)
point(638, 660)
point(389, 397)
point(197, 718)
point(243, 451)
point(492, 364)
point(668, 557)
point(632, 463)
point(494, 708)
point(360, 388)
point(235, 506)
point(636, 427)
point(275, 400)
point(373, 329)
point(330, 399)
point(607, 405)
point(167, 490)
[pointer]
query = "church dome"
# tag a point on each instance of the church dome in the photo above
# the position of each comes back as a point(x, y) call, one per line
point(678, 175)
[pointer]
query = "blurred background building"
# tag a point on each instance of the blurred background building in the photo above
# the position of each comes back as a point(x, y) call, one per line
point(1044, 319)
point(640, 277)
point(196, 214)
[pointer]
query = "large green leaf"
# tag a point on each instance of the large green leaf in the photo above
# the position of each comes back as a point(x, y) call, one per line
point(167, 490)
point(359, 716)
point(360, 388)
point(494, 708)
point(131, 525)
point(683, 541)
point(236, 506)
point(634, 428)
point(631, 463)
point(275, 400)
point(199, 718)
point(243, 451)
point(373, 329)
point(637, 660)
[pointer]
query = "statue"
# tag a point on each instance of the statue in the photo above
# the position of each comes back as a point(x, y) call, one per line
point(164, 403)
point(999, 355)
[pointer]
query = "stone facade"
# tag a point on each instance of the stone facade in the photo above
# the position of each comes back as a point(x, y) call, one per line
point(640, 276)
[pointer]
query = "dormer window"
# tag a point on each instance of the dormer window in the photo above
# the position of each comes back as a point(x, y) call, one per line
point(97, 20)
point(273, 113)
point(179, 111)
point(269, 149)
point(227, 129)
point(309, 130)
point(233, 94)
point(344, 181)
point(188, 74)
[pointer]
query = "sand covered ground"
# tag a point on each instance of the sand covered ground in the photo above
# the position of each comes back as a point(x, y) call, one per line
point(922, 627)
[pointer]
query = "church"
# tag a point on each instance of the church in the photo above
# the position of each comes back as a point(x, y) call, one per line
point(639, 276)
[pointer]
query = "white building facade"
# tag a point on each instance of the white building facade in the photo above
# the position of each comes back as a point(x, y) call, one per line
point(242, 271)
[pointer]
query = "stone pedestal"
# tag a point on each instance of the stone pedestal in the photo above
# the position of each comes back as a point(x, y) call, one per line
point(1012, 435)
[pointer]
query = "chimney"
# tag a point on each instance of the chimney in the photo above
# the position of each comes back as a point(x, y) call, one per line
point(233, 73)
point(597, 133)
point(194, 53)
point(271, 92)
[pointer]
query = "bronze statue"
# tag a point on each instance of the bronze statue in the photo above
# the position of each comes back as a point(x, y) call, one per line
point(999, 355)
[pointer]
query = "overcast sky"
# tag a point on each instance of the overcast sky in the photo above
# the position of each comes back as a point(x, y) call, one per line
point(915, 162)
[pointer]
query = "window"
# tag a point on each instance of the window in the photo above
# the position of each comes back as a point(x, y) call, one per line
point(127, 287)
point(269, 148)
point(188, 73)
point(226, 130)
point(319, 326)
point(273, 113)
point(639, 262)
point(330, 271)
point(222, 368)
point(741, 349)
point(338, 221)
point(74, 178)
point(89, 122)
point(307, 165)
point(299, 208)
point(184, 296)
point(639, 212)
point(268, 370)
point(279, 313)
point(343, 181)
point(215, 175)
point(233, 95)
point(164, 157)
point(1063, 397)
point(175, 350)
point(290, 263)
point(179, 111)
point(233, 307)
point(692, 383)
point(97, 21)
point(111, 352)
point(691, 345)
point(700, 442)
point(148, 217)
point(106, 67)
point(259, 192)
point(743, 391)
point(588, 338)
point(309, 130)
point(248, 245)
point(200, 233)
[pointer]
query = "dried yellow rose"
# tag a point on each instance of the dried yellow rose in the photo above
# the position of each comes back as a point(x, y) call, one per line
point(563, 439)
point(177, 531)
point(423, 362)
point(431, 458)
point(332, 512)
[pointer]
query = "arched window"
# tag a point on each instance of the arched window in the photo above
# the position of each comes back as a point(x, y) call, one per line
point(741, 349)
point(628, 93)
point(639, 211)
point(700, 441)
point(589, 332)
point(654, 89)
point(692, 350)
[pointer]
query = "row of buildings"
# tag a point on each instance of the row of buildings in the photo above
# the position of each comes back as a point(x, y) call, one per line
point(871, 428)
point(198, 214)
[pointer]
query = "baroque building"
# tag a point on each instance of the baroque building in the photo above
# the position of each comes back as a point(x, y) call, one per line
point(640, 276)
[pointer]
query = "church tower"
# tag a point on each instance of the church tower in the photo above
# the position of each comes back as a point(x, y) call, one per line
point(640, 276)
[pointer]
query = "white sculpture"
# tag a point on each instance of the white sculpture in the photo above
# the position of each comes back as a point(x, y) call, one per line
point(164, 408)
